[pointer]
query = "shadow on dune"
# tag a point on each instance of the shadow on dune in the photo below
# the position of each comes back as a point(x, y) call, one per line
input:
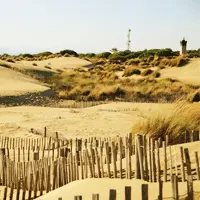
point(45, 98)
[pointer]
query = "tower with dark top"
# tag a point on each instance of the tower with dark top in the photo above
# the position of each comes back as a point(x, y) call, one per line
point(183, 50)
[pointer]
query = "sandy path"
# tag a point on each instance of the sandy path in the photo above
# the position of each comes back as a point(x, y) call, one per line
point(103, 120)
point(188, 74)
point(13, 83)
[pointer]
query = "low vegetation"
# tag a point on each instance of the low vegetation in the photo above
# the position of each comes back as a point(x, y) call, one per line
point(183, 117)
point(105, 85)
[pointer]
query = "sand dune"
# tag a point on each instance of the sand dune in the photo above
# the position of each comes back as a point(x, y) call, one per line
point(13, 83)
point(104, 120)
point(188, 74)
point(61, 63)
point(102, 187)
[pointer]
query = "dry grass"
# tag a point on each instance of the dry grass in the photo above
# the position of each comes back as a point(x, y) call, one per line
point(102, 85)
point(183, 117)
point(129, 71)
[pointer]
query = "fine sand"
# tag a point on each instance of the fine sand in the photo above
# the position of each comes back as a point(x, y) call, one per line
point(188, 74)
point(14, 83)
point(103, 120)
point(53, 64)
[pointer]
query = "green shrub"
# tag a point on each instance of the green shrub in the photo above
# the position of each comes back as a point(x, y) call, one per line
point(43, 54)
point(70, 52)
point(103, 55)
point(26, 55)
point(117, 59)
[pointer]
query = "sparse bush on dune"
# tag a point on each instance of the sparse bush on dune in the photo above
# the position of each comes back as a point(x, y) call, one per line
point(47, 67)
point(183, 117)
point(103, 55)
point(10, 60)
point(129, 71)
point(34, 64)
point(114, 67)
point(147, 72)
point(156, 74)
point(134, 61)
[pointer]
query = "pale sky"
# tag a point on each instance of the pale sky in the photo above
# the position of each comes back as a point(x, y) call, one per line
point(29, 26)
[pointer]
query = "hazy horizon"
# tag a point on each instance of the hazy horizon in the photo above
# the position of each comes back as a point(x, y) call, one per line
point(96, 26)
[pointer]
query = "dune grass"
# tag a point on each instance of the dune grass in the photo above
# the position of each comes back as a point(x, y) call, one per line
point(182, 117)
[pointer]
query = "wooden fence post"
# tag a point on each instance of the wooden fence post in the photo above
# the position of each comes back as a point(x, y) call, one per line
point(95, 197)
point(187, 161)
point(190, 187)
point(78, 198)
point(144, 192)
point(112, 195)
point(197, 165)
point(107, 160)
point(120, 156)
point(5, 193)
point(114, 160)
point(174, 181)
point(127, 193)
point(165, 161)
point(182, 165)
point(140, 157)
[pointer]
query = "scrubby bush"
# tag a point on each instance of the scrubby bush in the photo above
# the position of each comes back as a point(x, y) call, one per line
point(147, 72)
point(117, 59)
point(42, 54)
point(26, 55)
point(10, 60)
point(70, 52)
point(47, 67)
point(129, 71)
point(34, 64)
point(156, 74)
point(103, 55)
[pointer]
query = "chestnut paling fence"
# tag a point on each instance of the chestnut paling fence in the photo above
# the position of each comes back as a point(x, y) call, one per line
point(30, 168)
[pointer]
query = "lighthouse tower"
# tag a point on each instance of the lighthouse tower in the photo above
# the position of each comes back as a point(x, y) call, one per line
point(183, 50)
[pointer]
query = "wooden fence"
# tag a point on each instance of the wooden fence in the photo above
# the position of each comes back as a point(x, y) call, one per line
point(33, 167)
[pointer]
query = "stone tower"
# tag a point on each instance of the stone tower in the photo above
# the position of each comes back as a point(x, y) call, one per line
point(183, 50)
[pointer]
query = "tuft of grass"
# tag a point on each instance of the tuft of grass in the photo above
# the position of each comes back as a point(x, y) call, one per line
point(34, 64)
point(129, 71)
point(182, 117)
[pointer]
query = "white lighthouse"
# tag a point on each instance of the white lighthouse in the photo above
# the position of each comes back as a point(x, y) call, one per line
point(183, 50)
